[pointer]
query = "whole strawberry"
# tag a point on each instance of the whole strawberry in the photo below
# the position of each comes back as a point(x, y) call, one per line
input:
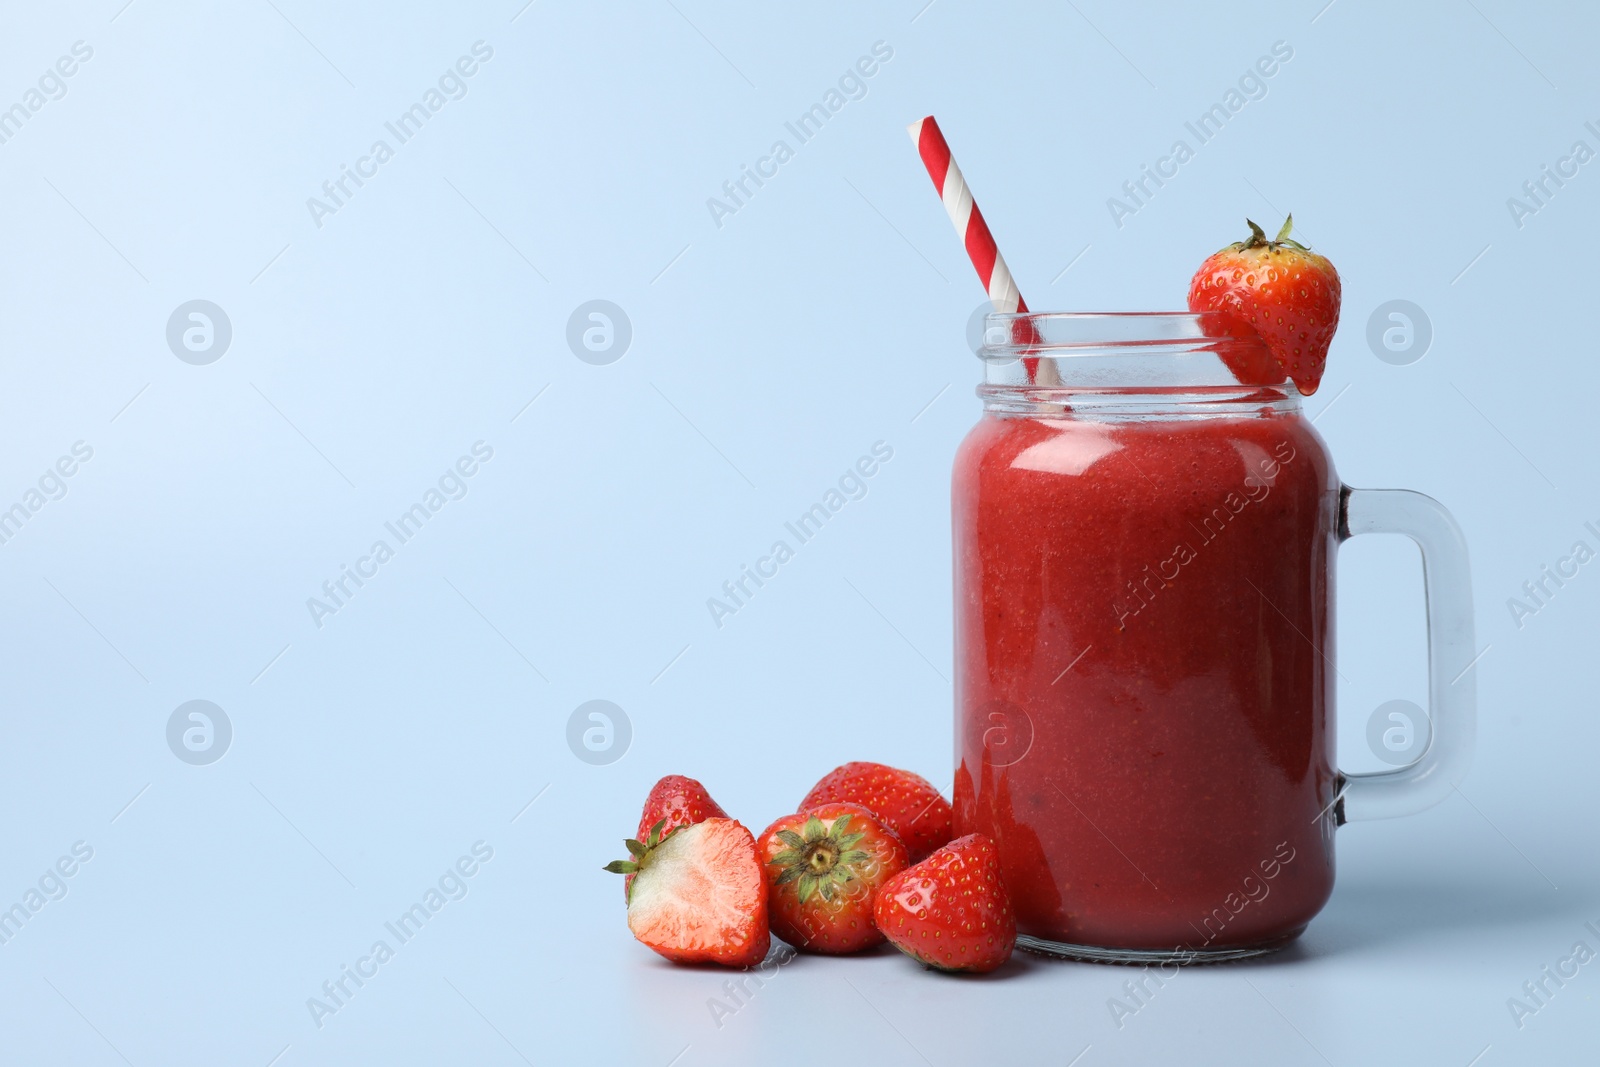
point(906, 803)
point(950, 911)
point(698, 895)
point(675, 801)
point(1288, 294)
point(679, 800)
point(824, 868)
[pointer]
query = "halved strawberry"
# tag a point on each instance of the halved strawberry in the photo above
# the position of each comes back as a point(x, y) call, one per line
point(1286, 293)
point(699, 895)
point(675, 801)
point(950, 911)
point(906, 803)
point(823, 871)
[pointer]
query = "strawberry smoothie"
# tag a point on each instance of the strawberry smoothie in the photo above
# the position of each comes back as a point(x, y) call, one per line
point(1144, 690)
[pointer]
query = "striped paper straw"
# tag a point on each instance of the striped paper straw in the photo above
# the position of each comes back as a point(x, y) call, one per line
point(968, 221)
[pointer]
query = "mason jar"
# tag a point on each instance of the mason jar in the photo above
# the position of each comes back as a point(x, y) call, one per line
point(1145, 669)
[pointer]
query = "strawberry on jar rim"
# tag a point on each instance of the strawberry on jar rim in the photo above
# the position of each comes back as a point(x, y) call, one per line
point(1286, 293)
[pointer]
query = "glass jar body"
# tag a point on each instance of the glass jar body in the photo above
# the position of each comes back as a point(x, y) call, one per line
point(1144, 681)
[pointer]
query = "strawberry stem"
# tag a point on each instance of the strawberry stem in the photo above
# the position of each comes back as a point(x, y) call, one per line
point(1258, 238)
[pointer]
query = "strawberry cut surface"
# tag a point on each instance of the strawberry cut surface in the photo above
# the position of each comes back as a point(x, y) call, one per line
point(700, 895)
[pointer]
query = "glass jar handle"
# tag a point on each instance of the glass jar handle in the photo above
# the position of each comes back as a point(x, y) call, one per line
point(1452, 687)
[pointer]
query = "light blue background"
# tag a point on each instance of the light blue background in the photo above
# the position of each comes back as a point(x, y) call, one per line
point(768, 354)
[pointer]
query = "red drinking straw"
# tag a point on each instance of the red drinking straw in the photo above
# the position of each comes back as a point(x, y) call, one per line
point(969, 224)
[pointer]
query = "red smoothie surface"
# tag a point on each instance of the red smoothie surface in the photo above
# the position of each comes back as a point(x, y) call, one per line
point(1144, 683)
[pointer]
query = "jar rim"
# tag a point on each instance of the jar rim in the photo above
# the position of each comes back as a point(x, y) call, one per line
point(1010, 335)
point(1135, 360)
